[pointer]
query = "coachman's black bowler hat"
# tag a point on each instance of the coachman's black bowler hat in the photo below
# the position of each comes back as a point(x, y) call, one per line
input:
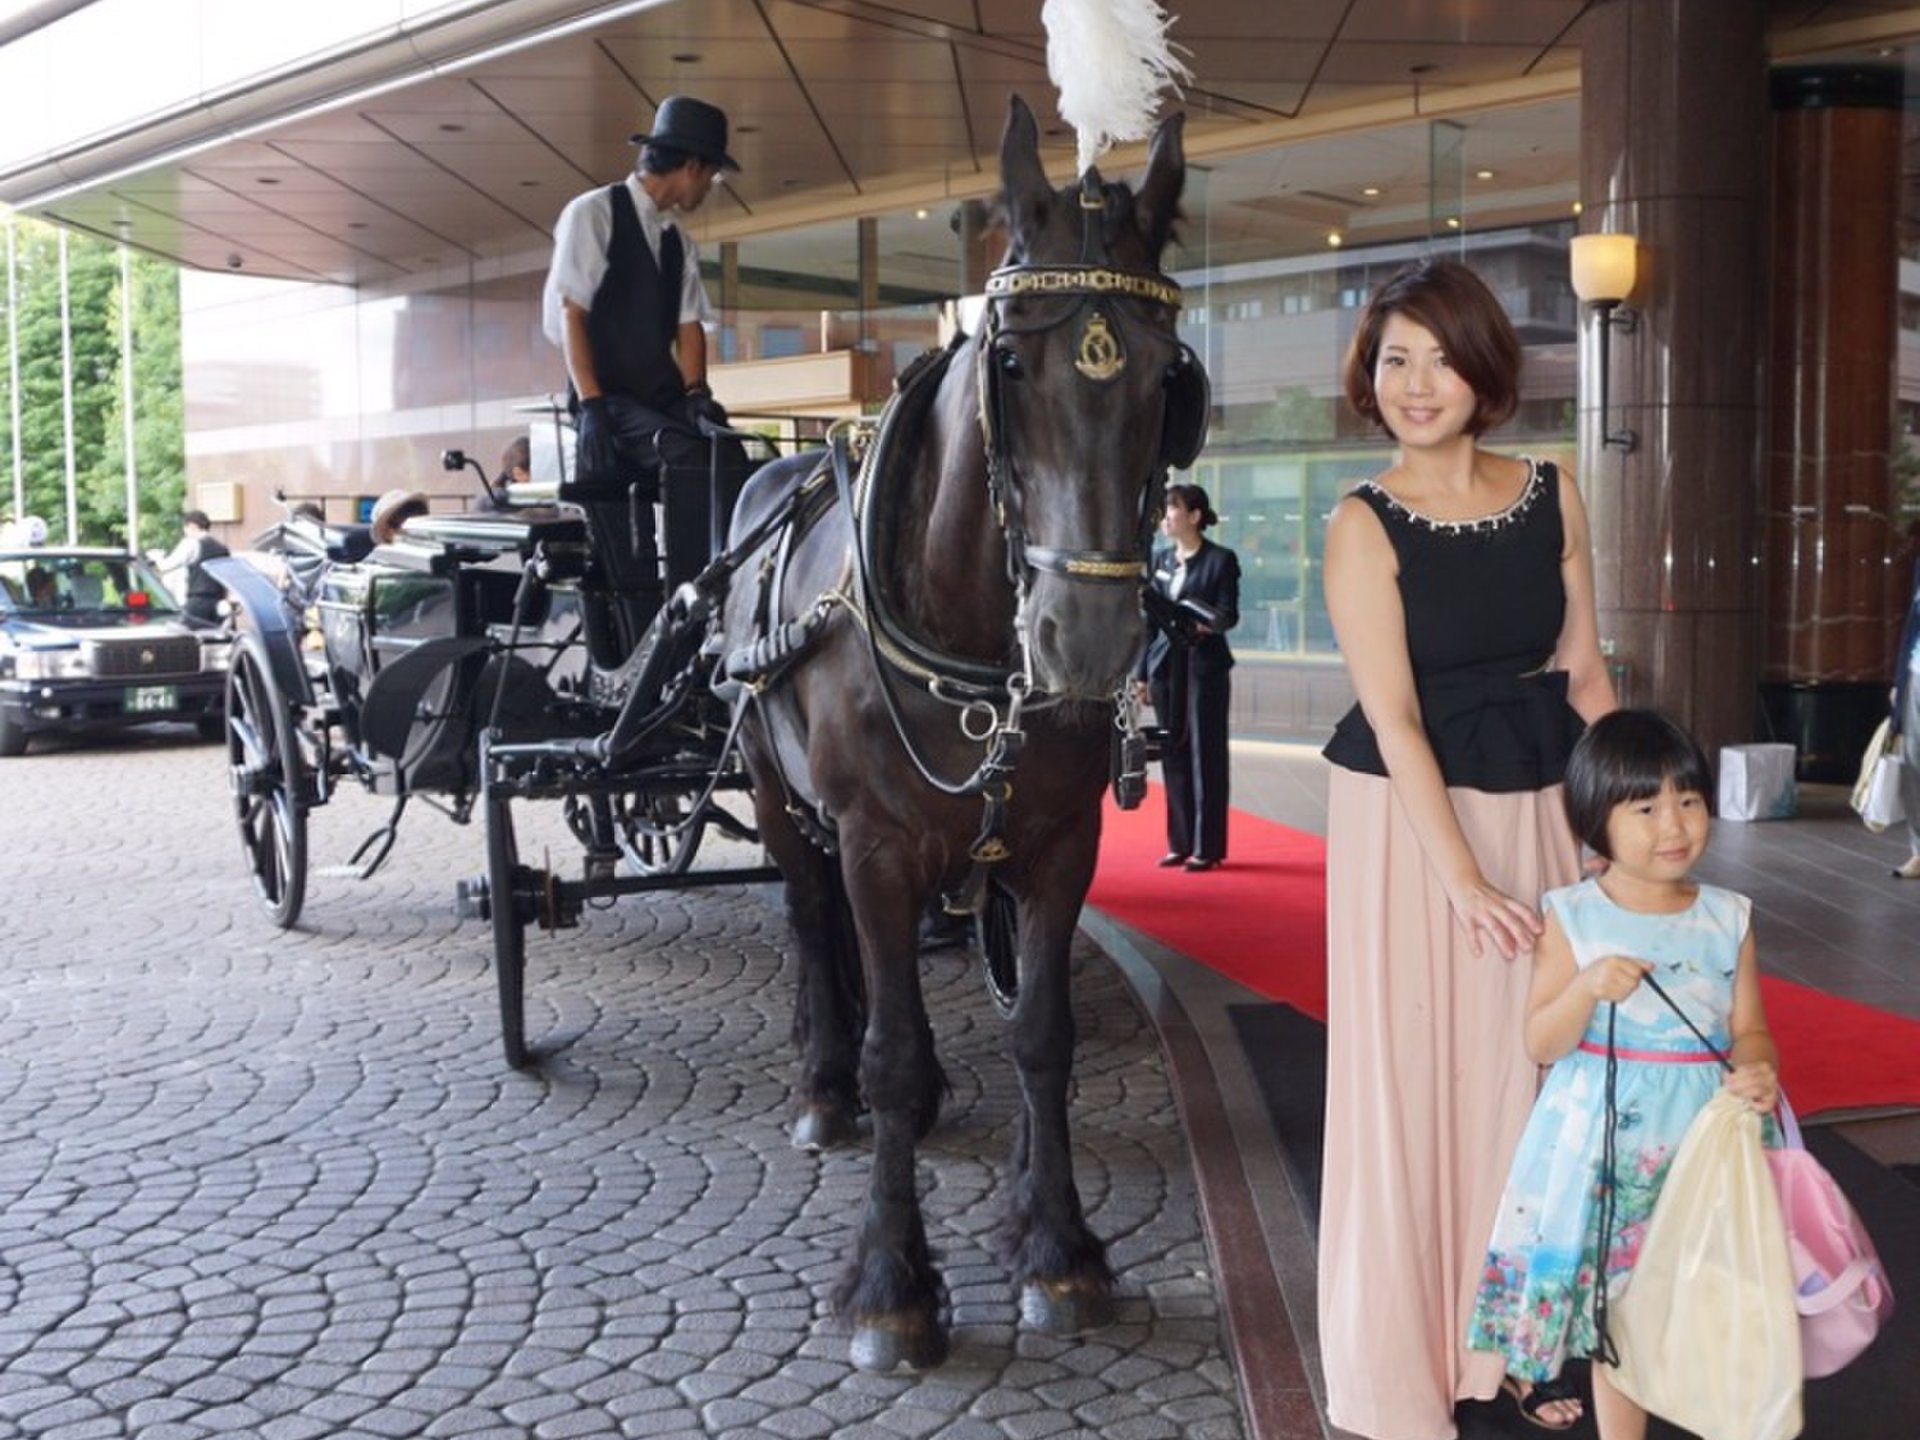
point(694, 126)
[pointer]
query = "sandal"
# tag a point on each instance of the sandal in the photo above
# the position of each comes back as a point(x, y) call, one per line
point(1531, 1399)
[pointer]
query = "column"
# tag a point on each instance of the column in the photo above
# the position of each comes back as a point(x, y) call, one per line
point(1673, 93)
point(1829, 524)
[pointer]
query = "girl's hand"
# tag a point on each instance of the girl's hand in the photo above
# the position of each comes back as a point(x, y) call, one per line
point(1755, 1082)
point(1614, 977)
point(1483, 910)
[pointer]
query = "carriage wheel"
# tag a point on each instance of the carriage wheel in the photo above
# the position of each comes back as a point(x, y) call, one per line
point(999, 926)
point(509, 930)
point(268, 780)
point(655, 836)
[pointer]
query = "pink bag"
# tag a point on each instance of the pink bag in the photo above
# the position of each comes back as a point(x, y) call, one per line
point(1843, 1293)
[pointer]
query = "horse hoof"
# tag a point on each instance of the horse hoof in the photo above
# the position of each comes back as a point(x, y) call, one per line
point(823, 1127)
point(879, 1349)
point(1064, 1309)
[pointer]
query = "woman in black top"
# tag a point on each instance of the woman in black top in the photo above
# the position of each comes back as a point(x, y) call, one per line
point(1187, 676)
point(1461, 593)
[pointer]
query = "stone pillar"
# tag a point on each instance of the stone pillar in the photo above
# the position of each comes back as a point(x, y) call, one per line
point(1672, 94)
point(1836, 296)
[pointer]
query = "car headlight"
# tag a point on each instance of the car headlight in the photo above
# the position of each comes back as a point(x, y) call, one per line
point(50, 665)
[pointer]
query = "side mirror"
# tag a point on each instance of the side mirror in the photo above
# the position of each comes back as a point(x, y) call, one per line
point(453, 459)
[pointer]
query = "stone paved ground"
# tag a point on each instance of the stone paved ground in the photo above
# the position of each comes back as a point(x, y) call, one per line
point(283, 1185)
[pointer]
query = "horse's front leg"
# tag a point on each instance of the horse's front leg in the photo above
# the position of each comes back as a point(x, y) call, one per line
point(891, 1292)
point(1059, 1264)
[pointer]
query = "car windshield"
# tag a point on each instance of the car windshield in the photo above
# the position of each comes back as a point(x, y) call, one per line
point(50, 583)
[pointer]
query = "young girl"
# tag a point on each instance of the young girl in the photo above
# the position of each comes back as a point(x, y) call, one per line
point(1636, 793)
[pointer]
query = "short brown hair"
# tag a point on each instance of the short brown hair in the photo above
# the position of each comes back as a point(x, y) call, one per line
point(1448, 299)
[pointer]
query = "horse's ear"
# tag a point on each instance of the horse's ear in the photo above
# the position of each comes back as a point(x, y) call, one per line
point(1158, 200)
point(1028, 195)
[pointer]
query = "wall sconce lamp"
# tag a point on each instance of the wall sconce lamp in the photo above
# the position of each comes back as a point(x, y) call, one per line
point(1603, 267)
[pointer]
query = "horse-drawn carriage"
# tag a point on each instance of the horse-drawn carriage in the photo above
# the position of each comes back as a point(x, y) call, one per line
point(894, 634)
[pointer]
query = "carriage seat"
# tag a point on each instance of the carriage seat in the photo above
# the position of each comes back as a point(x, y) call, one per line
point(349, 544)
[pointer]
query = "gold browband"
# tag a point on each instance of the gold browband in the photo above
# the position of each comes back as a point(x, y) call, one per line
point(1081, 280)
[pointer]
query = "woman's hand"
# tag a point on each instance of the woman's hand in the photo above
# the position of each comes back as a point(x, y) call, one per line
point(1142, 692)
point(1483, 910)
point(1614, 977)
point(1755, 1082)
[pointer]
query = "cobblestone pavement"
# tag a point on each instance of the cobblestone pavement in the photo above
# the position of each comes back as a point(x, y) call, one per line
point(284, 1186)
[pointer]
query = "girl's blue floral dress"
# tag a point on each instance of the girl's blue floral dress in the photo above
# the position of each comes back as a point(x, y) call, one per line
point(1535, 1302)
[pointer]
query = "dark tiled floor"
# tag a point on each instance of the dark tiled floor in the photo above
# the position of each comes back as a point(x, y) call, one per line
point(1830, 915)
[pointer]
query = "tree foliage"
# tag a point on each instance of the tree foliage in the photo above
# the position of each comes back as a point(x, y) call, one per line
point(94, 304)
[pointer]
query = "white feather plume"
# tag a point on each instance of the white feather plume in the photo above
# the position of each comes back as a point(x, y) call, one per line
point(1110, 60)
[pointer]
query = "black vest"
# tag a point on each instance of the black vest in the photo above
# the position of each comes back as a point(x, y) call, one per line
point(636, 312)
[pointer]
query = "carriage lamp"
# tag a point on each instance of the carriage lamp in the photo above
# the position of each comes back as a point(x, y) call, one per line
point(1603, 274)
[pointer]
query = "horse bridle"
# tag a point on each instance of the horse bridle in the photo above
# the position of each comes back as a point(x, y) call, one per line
point(1101, 356)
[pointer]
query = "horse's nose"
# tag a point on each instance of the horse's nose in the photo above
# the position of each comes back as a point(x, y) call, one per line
point(1084, 637)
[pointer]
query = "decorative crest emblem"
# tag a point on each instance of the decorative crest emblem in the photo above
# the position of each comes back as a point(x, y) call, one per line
point(1100, 356)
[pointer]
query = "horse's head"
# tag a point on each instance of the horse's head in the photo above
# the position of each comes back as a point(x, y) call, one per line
point(1088, 395)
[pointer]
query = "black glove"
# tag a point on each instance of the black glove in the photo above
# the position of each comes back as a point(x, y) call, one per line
point(596, 459)
point(702, 406)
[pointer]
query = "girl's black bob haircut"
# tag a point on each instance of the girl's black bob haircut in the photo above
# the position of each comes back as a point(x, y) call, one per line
point(1627, 756)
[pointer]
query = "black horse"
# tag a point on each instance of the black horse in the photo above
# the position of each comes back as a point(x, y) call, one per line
point(930, 660)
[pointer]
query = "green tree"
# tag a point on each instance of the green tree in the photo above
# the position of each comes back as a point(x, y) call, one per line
point(94, 309)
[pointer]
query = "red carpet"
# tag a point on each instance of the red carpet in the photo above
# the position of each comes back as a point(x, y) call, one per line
point(1261, 920)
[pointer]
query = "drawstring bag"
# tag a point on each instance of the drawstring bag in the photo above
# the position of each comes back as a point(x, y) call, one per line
point(1840, 1287)
point(1705, 1328)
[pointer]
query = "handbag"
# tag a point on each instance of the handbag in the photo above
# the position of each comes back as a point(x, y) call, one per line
point(1840, 1287)
point(1876, 793)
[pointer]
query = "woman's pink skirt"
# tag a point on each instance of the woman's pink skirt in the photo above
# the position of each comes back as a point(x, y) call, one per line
point(1428, 1088)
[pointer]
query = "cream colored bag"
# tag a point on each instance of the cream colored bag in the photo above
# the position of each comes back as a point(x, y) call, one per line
point(1876, 794)
point(1706, 1328)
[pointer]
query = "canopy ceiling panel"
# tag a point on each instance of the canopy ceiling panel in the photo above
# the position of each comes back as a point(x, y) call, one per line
point(833, 102)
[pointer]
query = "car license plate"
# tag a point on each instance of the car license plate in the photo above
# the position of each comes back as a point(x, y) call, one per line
point(152, 697)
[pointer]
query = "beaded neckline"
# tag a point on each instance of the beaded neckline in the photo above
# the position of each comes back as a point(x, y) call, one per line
point(1510, 515)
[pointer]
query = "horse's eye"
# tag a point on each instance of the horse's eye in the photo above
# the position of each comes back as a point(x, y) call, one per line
point(1008, 362)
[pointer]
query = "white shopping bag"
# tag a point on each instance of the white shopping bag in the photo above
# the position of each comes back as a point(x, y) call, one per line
point(1876, 795)
point(1756, 782)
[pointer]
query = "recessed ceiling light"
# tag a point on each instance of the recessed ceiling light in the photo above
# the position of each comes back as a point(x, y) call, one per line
point(1483, 174)
point(1453, 222)
point(1578, 207)
point(1370, 190)
point(687, 57)
point(921, 213)
point(1334, 239)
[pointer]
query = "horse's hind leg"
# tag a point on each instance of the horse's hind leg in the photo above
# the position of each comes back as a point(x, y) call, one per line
point(1059, 1264)
point(829, 1004)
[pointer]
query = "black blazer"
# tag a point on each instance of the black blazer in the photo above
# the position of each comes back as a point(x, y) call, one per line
point(1903, 657)
point(1213, 578)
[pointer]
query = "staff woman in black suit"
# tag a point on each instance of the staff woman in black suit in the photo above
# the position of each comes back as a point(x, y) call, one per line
point(1188, 679)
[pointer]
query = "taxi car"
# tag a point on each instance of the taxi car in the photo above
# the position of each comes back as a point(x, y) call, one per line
point(90, 639)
